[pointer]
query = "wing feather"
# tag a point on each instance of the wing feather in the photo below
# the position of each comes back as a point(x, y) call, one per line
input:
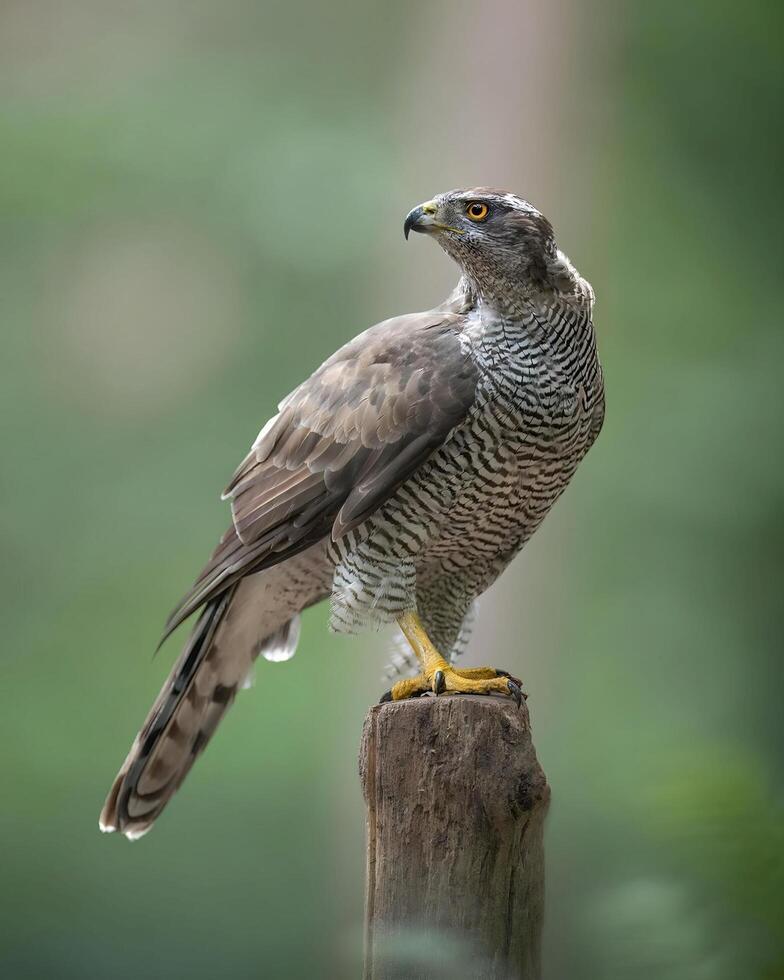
point(341, 444)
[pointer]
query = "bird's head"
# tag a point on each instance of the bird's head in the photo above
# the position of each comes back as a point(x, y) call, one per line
point(496, 238)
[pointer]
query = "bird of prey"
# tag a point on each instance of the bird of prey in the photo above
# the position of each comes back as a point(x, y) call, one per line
point(399, 480)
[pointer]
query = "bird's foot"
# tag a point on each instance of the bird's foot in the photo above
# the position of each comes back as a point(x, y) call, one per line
point(446, 679)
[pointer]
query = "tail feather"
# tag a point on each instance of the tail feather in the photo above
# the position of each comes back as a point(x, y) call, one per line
point(258, 615)
point(185, 714)
point(187, 711)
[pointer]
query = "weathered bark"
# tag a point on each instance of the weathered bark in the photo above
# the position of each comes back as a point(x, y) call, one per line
point(455, 871)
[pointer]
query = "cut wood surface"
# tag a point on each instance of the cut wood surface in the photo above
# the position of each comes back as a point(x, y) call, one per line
point(456, 801)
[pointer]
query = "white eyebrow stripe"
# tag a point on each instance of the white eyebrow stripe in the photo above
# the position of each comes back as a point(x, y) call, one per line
point(519, 204)
point(510, 199)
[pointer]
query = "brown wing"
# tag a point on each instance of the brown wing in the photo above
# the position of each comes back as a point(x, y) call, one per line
point(341, 444)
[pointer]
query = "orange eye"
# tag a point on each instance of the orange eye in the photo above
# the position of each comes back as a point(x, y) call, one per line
point(477, 211)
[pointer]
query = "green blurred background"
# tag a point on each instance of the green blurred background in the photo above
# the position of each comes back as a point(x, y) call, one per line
point(199, 202)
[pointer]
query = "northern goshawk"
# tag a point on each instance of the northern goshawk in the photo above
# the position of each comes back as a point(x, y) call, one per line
point(400, 480)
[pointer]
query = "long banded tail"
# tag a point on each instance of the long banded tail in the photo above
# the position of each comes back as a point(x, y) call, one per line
point(196, 695)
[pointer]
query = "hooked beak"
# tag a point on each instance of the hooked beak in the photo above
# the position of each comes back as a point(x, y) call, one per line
point(421, 219)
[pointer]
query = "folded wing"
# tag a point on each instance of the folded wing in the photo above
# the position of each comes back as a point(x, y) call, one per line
point(341, 444)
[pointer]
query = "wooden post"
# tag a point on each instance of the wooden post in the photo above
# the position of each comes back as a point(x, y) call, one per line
point(455, 865)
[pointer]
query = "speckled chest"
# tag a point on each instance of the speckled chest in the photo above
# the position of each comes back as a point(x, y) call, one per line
point(487, 489)
point(538, 403)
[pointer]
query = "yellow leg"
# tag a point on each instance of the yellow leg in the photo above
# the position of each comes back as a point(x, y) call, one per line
point(416, 634)
point(440, 677)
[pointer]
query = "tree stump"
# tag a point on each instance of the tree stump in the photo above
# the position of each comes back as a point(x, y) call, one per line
point(456, 802)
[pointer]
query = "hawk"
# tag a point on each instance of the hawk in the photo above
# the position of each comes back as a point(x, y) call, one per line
point(399, 480)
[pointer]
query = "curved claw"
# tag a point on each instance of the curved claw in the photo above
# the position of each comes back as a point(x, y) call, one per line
point(505, 673)
point(439, 682)
point(515, 692)
point(386, 696)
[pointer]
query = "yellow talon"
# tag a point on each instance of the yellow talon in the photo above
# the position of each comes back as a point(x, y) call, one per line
point(440, 677)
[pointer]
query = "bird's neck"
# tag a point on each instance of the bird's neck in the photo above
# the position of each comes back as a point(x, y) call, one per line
point(499, 299)
point(513, 294)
